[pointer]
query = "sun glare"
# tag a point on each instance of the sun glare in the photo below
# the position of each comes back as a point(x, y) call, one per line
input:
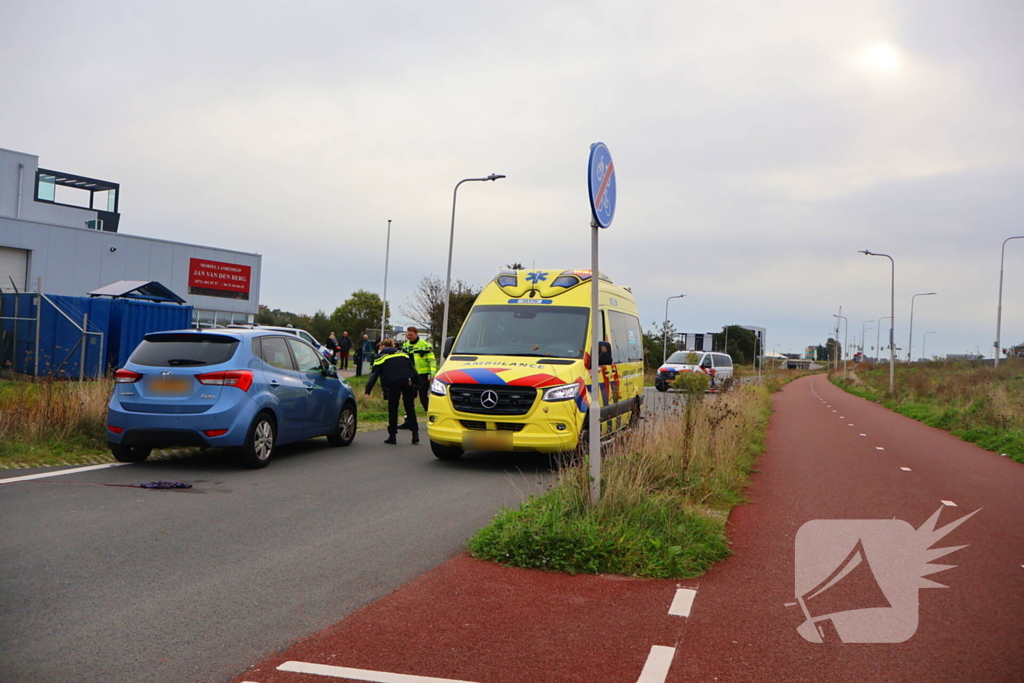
point(881, 57)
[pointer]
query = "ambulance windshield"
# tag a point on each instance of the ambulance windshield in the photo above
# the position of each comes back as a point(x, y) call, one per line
point(542, 331)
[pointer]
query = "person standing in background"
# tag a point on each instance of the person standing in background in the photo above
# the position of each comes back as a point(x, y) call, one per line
point(366, 351)
point(332, 346)
point(344, 348)
point(422, 354)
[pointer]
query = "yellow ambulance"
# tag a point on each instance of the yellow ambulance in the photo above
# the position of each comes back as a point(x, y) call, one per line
point(517, 377)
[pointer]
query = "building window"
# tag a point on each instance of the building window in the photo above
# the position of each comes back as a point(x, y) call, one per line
point(46, 187)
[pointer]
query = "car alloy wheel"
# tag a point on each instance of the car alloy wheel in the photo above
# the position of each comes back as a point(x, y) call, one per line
point(263, 440)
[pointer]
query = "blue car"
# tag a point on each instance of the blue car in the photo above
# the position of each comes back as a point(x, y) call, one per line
point(251, 390)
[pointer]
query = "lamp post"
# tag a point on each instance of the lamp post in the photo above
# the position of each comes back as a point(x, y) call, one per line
point(863, 334)
point(664, 339)
point(451, 243)
point(892, 319)
point(384, 306)
point(846, 337)
point(999, 310)
point(910, 341)
point(878, 347)
point(924, 344)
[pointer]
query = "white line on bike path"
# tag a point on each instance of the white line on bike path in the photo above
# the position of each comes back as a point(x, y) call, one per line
point(43, 475)
point(360, 674)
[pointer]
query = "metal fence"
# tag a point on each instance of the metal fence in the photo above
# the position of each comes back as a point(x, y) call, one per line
point(48, 336)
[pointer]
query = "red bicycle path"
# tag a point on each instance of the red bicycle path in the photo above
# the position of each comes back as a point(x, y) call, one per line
point(479, 622)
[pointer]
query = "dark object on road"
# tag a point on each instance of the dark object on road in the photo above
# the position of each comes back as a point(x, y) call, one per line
point(166, 485)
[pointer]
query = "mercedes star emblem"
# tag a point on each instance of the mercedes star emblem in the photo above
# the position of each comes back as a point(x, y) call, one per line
point(489, 399)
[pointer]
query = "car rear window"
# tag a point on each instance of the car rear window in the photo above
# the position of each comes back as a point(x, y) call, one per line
point(184, 350)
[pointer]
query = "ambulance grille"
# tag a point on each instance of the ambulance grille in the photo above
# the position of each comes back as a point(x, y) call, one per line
point(506, 400)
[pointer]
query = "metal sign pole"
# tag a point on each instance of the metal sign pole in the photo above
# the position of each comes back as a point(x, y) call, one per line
point(594, 414)
point(603, 192)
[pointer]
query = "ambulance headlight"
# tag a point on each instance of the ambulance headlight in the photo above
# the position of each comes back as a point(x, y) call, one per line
point(438, 388)
point(565, 392)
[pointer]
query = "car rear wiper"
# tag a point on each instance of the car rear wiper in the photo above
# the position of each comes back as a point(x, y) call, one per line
point(185, 361)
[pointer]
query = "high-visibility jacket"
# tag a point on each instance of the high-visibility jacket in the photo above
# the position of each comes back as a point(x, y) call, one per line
point(422, 354)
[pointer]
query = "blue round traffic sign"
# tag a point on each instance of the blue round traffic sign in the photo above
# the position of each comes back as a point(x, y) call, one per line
point(601, 183)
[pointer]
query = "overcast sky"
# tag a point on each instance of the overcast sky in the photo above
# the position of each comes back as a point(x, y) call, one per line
point(758, 146)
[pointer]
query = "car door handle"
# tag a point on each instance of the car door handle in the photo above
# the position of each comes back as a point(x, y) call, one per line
point(309, 386)
point(274, 383)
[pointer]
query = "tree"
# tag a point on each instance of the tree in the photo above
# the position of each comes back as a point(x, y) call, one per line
point(426, 309)
point(515, 266)
point(739, 343)
point(360, 312)
point(654, 342)
point(833, 349)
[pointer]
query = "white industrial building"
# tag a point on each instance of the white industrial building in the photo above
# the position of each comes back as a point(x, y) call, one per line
point(63, 230)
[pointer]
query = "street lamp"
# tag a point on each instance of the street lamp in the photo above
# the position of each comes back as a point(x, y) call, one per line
point(451, 243)
point(384, 306)
point(878, 342)
point(846, 337)
point(664, 339)
point(910, 341)
point(892, 319)
point(924, 344)
point(999, 310)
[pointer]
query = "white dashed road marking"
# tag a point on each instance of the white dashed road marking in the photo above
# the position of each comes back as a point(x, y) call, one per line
point(657, 665)
point(682, 602)
point(849, 424)
point(863, 434)
point(879, 448)
point(43, 475)
point(374, 676)
point(949, 503)
point(905, 469)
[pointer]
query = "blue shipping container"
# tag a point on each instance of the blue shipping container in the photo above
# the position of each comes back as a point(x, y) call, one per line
point(130, 321)
point(121, 324)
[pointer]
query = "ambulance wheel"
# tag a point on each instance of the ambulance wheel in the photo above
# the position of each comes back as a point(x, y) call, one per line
point(445, 452)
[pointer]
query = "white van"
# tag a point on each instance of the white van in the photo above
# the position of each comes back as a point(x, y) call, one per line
point(717, 365)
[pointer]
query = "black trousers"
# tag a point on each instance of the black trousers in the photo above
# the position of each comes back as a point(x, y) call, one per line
point(424, 391)
point(401, 391)
point(343, 355)
point(359, 363)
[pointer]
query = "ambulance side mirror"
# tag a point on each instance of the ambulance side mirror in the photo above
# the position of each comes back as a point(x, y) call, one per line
point(604, 353)
point(446, 349)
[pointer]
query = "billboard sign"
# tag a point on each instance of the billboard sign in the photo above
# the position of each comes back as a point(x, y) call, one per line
point(215, 278)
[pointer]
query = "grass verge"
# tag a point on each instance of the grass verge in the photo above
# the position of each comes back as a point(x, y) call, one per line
point(50, 423)
point(979, 404)
point(667, 489)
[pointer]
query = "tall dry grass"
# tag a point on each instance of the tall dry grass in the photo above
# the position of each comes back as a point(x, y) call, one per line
point(667, 488)
point(51, 412)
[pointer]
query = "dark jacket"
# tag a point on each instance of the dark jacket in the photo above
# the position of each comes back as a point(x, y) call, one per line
point(392, 367)
point(331, 343)
point(345, 344)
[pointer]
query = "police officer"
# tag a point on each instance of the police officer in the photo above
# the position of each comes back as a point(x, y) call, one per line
point(398, 377)
point(422, 354)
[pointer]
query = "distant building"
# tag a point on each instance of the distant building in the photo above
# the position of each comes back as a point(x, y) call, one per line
point(964, 356)
point(694, 341)
point(64, 230)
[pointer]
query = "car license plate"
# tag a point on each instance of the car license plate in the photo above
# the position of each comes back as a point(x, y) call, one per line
point(486, 441)
point(171, 386)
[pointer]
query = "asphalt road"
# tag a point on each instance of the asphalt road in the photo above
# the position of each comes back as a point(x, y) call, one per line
point(112, 583)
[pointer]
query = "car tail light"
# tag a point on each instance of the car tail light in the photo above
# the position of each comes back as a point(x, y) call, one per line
point(215, 432)
point(228, 378)
point(116, 430)
point(123, 376)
